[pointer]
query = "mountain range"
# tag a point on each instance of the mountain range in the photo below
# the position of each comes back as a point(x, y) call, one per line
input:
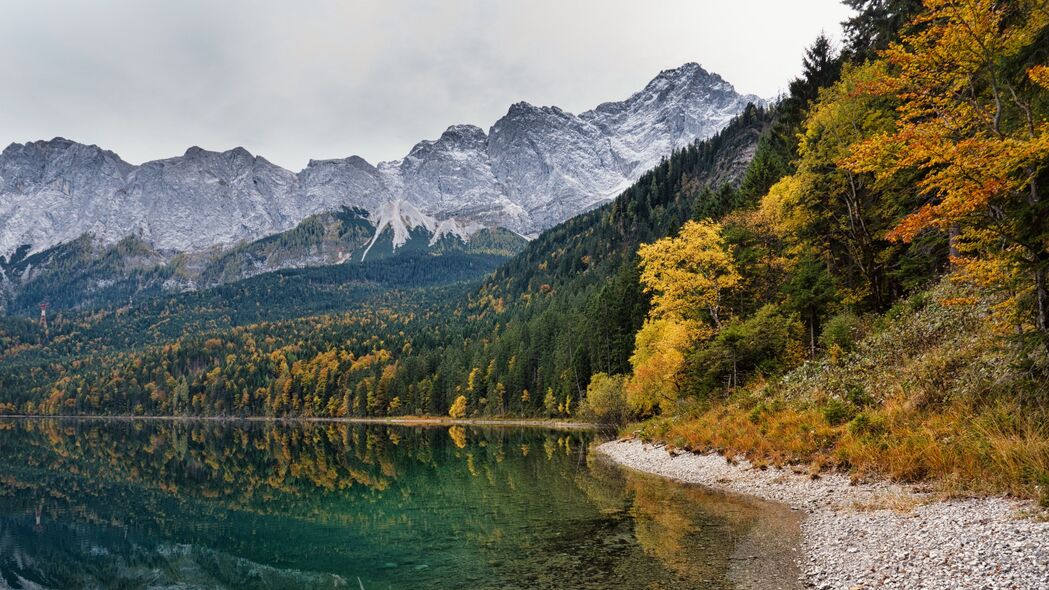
point(534, 168)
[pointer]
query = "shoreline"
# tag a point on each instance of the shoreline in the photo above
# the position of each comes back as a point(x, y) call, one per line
point(874, 535)
point(399, 421)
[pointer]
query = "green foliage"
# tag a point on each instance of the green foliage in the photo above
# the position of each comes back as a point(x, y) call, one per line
point(810, 292)
point(867, 424)
point(761, 344)
point(876, 24)
point(837, 412)
point(606, 398)
point(842, 331)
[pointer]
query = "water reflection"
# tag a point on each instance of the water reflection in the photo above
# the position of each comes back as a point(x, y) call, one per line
point(315, 505)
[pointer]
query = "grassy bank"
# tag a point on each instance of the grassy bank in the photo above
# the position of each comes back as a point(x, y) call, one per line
point(928, 392)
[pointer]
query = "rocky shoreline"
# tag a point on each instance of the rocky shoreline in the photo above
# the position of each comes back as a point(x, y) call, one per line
point(875, 535)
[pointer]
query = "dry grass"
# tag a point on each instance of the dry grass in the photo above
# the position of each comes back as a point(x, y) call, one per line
point(901, 503)
point(1002, 449)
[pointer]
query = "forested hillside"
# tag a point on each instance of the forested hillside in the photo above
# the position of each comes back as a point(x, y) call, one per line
point(569, 302)
point(85, 274)
point(882, 307)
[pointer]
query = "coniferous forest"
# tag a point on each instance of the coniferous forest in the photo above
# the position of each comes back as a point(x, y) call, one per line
point(856, 275)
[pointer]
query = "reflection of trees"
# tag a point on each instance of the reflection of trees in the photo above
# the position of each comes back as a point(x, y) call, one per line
point(251, 465)
point(525, 505)
point(693, 531)
point(335, 473)
point(57, 557)
point(242, 488)
point(458, 434)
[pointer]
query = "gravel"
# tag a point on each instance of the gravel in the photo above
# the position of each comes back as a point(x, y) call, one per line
point(876, 535)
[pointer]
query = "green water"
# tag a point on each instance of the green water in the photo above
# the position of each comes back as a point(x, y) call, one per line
point(163, 504)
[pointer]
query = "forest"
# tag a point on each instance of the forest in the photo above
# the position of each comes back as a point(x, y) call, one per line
point(857, 275)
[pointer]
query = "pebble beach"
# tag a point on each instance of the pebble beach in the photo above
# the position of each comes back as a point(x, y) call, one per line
point(875, 535)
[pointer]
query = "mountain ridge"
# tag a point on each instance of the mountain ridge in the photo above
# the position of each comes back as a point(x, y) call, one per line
point(532, 169)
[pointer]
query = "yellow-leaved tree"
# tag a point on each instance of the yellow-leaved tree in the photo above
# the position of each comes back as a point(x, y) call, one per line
point(657, 363)
point(605, 399)
point(688, 276)
point(458, 409)
point(972, 85)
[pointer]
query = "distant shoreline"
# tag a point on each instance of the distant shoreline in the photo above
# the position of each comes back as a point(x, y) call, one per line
point(400, 421)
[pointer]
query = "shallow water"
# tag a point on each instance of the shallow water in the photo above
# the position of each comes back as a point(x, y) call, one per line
point(154, 504)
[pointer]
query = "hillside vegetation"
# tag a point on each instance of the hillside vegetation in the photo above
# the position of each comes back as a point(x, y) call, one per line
point(523, 342)
point(926, 391)
point(883, 306)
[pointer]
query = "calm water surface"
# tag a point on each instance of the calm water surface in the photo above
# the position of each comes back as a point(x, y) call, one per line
point(162, 504)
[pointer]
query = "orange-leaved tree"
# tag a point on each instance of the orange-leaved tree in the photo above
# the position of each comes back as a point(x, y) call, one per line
point(971, 81)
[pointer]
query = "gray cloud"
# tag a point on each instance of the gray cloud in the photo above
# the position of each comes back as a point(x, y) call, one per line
point(295, 80)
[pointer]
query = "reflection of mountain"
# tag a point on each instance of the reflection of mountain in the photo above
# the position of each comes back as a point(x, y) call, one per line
point(109, 560)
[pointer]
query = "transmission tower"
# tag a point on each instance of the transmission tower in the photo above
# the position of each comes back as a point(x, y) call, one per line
point(43, 318)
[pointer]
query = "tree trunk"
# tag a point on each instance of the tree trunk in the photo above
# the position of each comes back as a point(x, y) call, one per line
point(812, 333)
point(1041, 260)
point(1042, 294)
point(735, 377)
point(953, 233)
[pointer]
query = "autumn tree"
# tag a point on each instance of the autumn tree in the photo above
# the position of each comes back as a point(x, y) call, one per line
point(688, 276)
point(658, 363)
point(550, 402)
point(971, 80)
point(458, 409)
point(606, 397)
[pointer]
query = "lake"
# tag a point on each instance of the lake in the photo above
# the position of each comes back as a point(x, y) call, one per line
point(209, 504)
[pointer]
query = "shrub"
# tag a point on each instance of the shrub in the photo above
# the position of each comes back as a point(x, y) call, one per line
point(606, 398)
point(842, 331)
point(857, 395)
point(837, 412)
point(867, 424)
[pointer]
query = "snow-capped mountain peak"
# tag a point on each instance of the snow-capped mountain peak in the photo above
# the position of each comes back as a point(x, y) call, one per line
point(534, 167)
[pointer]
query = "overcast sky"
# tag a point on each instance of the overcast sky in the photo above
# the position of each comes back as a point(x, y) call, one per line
point(295, 80)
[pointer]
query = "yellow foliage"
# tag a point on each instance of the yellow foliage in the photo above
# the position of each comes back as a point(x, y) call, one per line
point(472, 379)
point(606, 397)
point(948, 74)
point(458, 409)
point(689, 273)
point(657, 362)
point(458, 436)
point(550, 402)
point(780, 211)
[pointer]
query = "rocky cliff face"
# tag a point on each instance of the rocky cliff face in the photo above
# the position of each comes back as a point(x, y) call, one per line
point(205, 198)
point(54, 191)
point(534, 168)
